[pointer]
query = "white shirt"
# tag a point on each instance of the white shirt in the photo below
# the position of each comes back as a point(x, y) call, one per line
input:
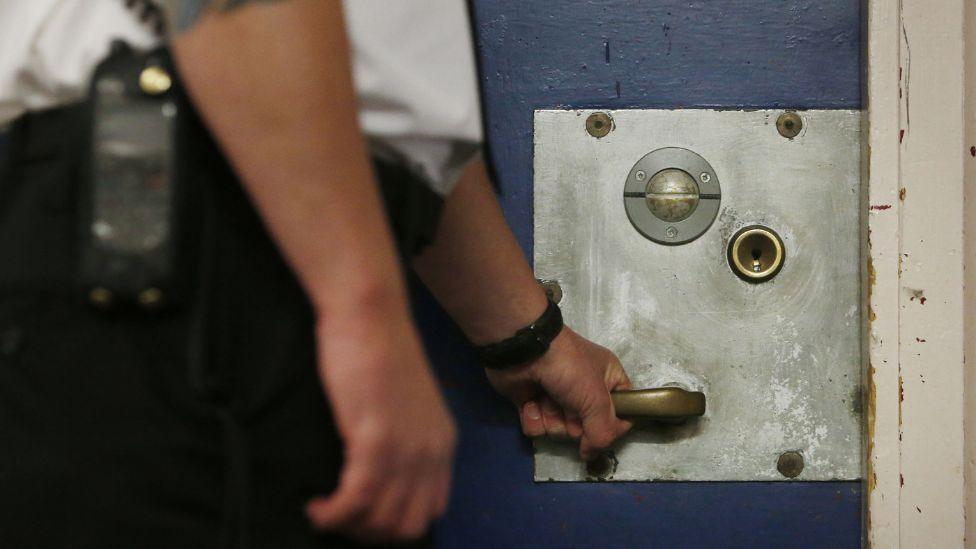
point(413, 62)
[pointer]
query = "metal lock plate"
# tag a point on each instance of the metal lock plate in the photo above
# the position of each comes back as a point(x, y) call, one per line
point(779, 360)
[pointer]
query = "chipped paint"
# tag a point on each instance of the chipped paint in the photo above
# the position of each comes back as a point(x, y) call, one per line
point(930, 452)
point(885, 87)
point(917, 295)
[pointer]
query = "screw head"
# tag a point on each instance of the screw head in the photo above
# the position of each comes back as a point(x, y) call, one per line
point(672, 232)
point(790, 464)
point(553, 290)
point(599, 124)
point(640, 175)
point(789, 124)
point(705, 177)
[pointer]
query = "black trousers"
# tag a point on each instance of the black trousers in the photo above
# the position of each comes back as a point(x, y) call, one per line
point(106, 440)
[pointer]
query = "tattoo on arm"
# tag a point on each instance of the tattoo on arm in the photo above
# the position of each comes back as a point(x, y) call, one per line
point(183, 14)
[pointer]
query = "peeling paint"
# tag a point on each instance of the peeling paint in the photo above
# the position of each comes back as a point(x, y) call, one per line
point(908, 76)
point(872, 404)
point(871, 389)
point(919, 295)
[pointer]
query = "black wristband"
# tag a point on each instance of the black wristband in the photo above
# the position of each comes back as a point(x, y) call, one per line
point(526, 345)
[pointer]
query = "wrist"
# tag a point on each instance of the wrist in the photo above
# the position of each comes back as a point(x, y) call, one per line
point(521, 311)
point(364, 322)
point(364, 347)
point(527, 345)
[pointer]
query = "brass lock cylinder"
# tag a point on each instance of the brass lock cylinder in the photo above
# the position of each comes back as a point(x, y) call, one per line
point(756, 253)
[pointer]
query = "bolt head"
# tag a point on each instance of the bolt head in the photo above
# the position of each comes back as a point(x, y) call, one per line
point(789, 124)
point(790, 464)
point(553, 290)
point(599, 124)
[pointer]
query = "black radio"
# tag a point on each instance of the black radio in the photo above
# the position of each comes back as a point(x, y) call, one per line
point(133, 192)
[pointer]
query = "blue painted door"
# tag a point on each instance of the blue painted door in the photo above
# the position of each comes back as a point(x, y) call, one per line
point(612, 54)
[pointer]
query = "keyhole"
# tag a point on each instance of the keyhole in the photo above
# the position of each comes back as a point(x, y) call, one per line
point(756, 253)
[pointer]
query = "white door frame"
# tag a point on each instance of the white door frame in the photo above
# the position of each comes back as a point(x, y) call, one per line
point(920, 273)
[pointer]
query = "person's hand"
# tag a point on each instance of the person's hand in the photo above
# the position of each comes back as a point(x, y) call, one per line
point(566, 393)
point(399, 436)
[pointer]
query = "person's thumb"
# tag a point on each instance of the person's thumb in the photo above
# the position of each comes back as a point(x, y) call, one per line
point(600, 427)
point(350, 500)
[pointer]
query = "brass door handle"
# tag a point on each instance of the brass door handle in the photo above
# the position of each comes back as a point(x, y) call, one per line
point(665, 403)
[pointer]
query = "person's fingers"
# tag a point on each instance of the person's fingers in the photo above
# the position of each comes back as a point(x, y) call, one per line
point(617, 379)
point(574, 426)
point(531, 417)
point(442, 494)
point(555, 421)
point(382, 522)
point(620, 382)
point(600, 426)
point(416, 515)
point(350, 501)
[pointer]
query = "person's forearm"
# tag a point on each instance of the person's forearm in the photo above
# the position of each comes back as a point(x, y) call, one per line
point(478, 273)
point(273, 83)
point(476, 269)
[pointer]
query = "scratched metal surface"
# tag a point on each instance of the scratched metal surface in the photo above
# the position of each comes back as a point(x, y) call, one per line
point(779, 361)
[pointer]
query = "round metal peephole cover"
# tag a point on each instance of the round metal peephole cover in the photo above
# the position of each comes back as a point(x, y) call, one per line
point(756, 253)
point(672, 195)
